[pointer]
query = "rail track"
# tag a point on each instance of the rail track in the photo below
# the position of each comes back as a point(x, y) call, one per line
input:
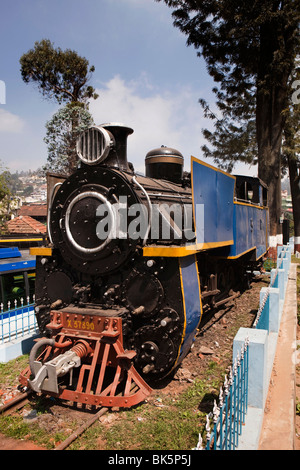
point(15, 403)
point(23, 399)
point(20, 401)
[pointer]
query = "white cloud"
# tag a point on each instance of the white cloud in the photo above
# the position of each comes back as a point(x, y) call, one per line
point(10, 122)
point(158, 118)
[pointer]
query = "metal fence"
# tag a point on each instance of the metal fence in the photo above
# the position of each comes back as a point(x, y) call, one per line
point(17, 319)
point(224, 423)
point(262, 317)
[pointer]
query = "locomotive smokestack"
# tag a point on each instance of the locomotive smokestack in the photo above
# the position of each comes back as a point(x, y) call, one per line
point(104, 144)
point(117, 157)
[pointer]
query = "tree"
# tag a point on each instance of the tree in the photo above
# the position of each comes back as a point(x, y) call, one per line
point(230, 141)
point(59, 75)
point(5, 198)
point(62, 132)
point(291, 149)
point(250, 49)
point(62, 76)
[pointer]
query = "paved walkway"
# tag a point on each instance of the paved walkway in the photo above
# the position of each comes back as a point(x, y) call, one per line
point(278, 427)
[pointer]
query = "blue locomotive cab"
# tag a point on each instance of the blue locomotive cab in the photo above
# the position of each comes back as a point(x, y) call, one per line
point(251, 216)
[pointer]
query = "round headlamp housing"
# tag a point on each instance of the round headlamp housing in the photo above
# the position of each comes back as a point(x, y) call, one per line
point(94, 145)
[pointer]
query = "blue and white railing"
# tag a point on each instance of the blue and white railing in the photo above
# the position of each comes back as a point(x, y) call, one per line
point(274, 294)
point(249, 377)
point(17, 319)
point(224, 423)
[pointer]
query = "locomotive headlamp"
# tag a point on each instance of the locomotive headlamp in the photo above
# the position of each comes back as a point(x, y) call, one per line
point(94, 145)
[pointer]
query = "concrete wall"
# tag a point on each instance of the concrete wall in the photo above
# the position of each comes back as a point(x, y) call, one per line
point(262, 348)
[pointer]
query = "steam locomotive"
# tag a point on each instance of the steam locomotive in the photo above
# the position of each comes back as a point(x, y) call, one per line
point(131, 263)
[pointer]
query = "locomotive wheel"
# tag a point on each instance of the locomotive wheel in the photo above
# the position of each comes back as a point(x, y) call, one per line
point(169, 320)
point(221, 282)
point(144, 292)
point(230, 277)
point(155, 351)
point(59, 286)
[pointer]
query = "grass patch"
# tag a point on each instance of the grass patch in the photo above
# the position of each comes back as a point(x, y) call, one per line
point(164, 423)
point(16, 428)
point(148, 427)
point(9, 371)
point(269, 264)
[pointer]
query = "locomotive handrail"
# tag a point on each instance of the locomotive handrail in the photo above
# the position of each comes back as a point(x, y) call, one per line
point(49, 210)
point(177, 196)
point(149, 209)
point(248, 201)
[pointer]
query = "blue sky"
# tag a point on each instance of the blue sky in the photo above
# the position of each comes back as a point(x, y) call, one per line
point(145, 75)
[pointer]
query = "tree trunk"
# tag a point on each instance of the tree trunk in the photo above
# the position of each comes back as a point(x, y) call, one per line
point(269, 122)
point(295, 192)
point(72, 157)
point(271, 100)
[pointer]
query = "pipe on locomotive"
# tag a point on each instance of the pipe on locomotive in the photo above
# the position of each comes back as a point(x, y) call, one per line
point(34, 350)
point(49, 209)
point(149, 209)
point(57, 367)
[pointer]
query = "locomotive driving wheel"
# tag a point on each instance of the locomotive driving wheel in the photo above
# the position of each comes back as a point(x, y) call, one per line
point(143, 293)
point(155, 351)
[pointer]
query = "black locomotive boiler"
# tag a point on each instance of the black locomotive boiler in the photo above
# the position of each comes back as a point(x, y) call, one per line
point(130, 263)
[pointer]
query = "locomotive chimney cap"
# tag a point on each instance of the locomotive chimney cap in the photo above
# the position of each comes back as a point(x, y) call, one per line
point(118, 157)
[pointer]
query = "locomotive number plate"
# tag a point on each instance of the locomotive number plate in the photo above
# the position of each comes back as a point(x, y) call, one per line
point(89, 325)
point(81, 325)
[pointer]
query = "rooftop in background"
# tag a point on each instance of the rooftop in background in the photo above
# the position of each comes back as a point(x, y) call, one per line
point(25, 225)
point(33, 210)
